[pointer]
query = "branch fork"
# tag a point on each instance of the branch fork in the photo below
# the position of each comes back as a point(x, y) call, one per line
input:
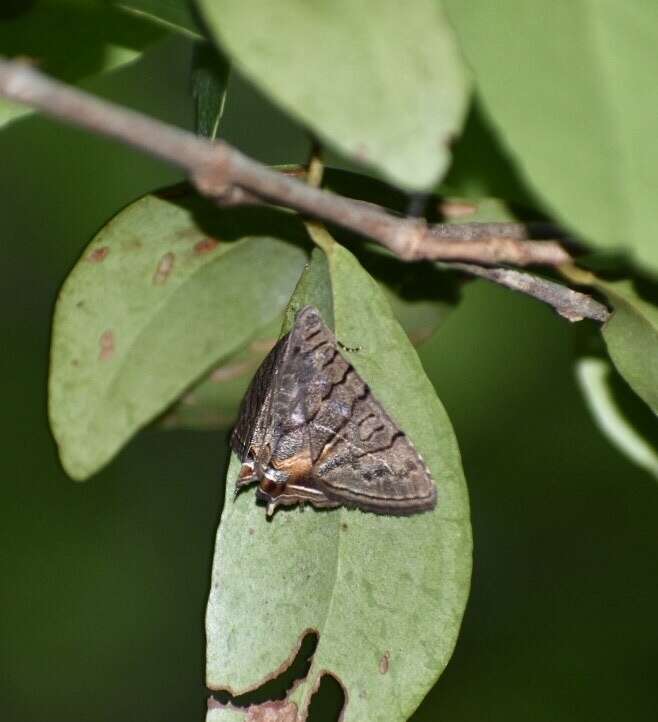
point(226, 175)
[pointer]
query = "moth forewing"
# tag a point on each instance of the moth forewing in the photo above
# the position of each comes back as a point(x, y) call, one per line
point(254, 415)
point(317, 434)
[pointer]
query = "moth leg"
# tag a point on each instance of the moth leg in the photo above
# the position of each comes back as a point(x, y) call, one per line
point(291, 494)
point(246, 476)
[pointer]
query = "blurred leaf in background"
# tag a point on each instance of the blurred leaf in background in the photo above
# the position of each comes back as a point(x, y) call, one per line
point(175, 15)
point(608, 402)
point(565, 86)
point(210, 73)
point(383, 86)
point(46, 31)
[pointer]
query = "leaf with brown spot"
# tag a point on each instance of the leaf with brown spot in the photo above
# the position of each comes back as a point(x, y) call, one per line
point(98, 254)
point(173, 315)
point(368, 584)
point(206, 245)
point(164, 268)
point(106, 343)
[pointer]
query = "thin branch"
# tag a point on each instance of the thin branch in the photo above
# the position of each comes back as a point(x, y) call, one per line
point(230, 178)
point(215, 168)
point(573, 305)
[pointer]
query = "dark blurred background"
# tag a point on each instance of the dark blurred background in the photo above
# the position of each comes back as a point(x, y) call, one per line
point(103, 584)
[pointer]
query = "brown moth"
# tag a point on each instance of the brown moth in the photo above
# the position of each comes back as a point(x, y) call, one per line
point(310, 430)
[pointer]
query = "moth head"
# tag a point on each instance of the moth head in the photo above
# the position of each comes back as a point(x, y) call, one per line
point(269, 491)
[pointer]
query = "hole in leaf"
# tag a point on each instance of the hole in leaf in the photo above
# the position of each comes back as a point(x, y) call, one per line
point(278, 687)
point(328, 702)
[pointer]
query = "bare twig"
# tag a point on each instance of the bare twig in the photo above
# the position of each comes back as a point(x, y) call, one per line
point(230, 178)
point(216, 168)
point(573, 305)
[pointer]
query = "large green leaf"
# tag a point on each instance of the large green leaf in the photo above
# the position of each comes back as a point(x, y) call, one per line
point(73, 40)
point(386, 595)
point(421, 296)
point(631, 336)
point(164, 291)
point(382, 83)
point(213, 403)
point(571, 87)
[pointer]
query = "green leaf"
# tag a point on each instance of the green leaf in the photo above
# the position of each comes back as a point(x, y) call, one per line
point(481, 167)
point(73, 40)
point(380, 83)
point(421, 296)
point(210, 72)
point(385, 594)
point(167, 289)
point(631, 336)
point(596, 380)
point(176, 15)
point(214, 402)
point(578, 119)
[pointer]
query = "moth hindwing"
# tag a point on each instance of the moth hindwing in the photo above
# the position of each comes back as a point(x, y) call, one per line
point(310, 430)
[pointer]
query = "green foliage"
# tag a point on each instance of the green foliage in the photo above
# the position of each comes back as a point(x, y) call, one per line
point(174, 304)
point(210, 73)
point(631, 335)
point(176, 15)
point(565, 85)
point(213, 402)
point(144, 314)
point(103, 38)
point(397, 114)
point(395, 588)
point(597, 380)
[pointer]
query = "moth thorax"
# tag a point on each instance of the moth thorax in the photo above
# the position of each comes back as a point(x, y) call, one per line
point(275, 476)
